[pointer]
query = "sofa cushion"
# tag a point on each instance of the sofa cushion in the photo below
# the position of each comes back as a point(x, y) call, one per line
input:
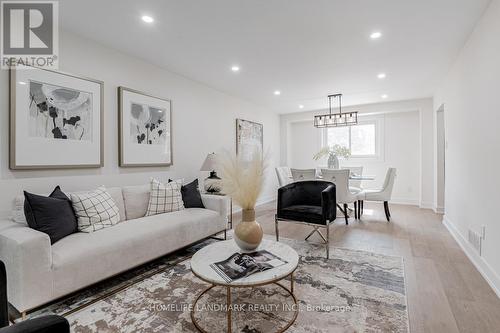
point(117, 195)
point(52, 215)
point(82, 259)
point(115, 192)
point(136, 200)
point(164, 198)
point(95, 210)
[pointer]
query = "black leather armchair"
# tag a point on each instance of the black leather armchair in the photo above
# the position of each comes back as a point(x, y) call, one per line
point(310, 202)
point(46, 324)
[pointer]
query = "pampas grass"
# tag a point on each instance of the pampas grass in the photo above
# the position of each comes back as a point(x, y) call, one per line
point(243, 180)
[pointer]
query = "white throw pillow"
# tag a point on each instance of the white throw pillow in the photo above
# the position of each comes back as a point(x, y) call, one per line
point(164, 198)
point(95, 210)
point(18, 211)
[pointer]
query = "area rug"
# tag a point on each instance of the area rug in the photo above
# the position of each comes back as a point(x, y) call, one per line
point(353, 291)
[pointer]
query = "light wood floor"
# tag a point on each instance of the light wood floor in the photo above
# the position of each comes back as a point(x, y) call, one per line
point(445, 292)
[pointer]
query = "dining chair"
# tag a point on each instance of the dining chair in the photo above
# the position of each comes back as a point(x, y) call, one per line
point(284, 175)
point(355, 185)
point(303, 174)
point(344, 195)
point(385, 193)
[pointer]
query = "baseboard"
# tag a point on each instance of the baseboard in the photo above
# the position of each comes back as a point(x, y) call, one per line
point(426, 205)
point(481, 265)
point(438, 210)
point(404, 201)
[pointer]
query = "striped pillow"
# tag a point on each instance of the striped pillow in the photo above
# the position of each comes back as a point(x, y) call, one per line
point(164, 198)
point(95, 210)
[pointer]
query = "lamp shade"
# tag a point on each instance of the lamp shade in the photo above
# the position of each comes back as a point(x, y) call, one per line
point(210, 163)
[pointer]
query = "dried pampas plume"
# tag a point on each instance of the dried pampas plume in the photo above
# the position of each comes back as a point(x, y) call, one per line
point(243, 180)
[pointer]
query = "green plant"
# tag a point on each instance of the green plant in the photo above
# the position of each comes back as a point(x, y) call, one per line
point(335, 150)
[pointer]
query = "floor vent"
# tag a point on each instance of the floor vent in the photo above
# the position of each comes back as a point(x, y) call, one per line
point(475, 240)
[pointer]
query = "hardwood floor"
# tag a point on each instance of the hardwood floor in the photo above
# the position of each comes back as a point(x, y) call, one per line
point(445, 292)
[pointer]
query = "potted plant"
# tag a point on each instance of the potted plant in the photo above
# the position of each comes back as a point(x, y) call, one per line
point(243, 182)
point(333, 152)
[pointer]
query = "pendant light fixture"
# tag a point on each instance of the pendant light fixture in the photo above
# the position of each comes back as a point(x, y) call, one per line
point(336, 119)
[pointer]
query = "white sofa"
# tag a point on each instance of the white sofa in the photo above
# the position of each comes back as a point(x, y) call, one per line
point(38, 273)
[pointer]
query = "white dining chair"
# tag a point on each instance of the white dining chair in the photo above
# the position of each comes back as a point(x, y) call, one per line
point(284, 176)
point(355, 185)
point(303, 174)
point(385, 193)
point(344, 196)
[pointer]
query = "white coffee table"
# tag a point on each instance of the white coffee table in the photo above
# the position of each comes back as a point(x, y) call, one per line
point(200, 266)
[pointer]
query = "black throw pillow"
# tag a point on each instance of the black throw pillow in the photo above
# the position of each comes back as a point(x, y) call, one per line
point(52, 215)
point(191, 195)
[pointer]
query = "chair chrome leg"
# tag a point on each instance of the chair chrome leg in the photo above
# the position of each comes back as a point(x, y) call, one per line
point(276, 229)
point(311, 233)
point(327, 239)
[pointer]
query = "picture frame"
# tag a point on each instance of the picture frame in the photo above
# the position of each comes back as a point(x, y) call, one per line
point(145, 129)
point(249, 138)
point(56, 120)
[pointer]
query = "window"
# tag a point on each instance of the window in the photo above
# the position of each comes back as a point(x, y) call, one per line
point(361, 139)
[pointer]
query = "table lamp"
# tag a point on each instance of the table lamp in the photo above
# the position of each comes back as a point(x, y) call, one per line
point(212, 184)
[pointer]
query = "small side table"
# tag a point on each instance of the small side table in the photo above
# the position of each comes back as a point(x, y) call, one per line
point(230, 216)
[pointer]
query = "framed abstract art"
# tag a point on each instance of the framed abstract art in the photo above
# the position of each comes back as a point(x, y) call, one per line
point(145, 129)
point(56, 120)
point(249, 138)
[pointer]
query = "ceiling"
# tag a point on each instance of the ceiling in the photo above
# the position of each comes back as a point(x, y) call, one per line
point(307, 49)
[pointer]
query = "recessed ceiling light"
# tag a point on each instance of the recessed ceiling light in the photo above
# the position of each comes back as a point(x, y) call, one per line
point(235, 68)
point(376, 35)
point(277, 92)
point(22, 83)
point(382, 76)
point(384, 96)
point(301, 106)
point(147, 19)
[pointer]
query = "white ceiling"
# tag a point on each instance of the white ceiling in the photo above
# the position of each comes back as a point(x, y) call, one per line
point(304, 48)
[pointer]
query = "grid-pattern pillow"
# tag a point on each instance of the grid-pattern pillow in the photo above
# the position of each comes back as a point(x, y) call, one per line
point(164, 198)
point(95, 210)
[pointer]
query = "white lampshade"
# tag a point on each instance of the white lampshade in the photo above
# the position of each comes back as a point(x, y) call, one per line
point(210, 163)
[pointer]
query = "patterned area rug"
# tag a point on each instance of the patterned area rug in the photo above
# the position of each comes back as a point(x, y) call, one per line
point(354, 291)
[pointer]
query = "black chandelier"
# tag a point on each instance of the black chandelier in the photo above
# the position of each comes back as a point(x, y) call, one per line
point(336, 119)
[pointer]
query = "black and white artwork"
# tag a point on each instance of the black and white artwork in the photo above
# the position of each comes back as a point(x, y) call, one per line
point(249, 139)
point(145, 129)
point(59, 113)
point(55, 120)
point(147, 124)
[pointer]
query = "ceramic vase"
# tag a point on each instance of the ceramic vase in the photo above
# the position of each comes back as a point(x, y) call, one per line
point(248, 234)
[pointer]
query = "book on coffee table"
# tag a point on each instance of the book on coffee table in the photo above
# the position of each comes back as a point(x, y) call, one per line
point(240, 265)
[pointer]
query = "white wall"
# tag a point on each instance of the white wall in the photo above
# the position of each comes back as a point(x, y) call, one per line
point(203, 122)
point(472, 116)
point(407, 131)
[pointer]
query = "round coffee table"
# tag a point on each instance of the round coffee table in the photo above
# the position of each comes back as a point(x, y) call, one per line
point(200, 266)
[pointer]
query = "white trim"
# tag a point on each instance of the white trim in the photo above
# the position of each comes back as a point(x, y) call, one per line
point(404, 201)
point(438, 210)
point(426, 205)
point(481, 265)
